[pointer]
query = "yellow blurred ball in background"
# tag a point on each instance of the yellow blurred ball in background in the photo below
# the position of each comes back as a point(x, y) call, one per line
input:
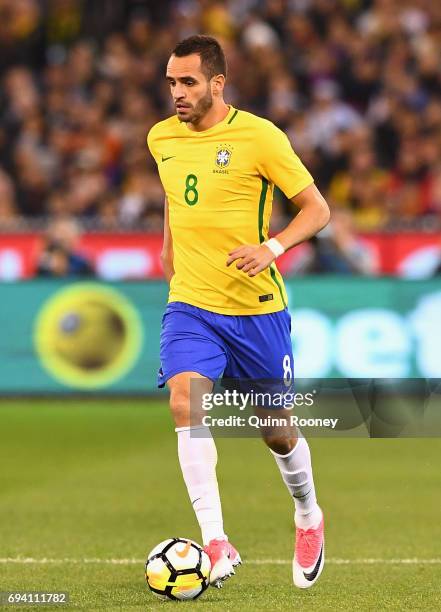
point(88, 335)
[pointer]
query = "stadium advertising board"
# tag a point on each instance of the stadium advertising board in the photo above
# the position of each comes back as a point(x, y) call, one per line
point(104, 337)
point(137, 256)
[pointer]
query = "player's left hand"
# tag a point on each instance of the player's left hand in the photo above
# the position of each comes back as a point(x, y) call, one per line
point(253, 258)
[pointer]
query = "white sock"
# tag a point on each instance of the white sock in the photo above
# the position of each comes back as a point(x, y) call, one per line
point(198, 458)
point(296, 470)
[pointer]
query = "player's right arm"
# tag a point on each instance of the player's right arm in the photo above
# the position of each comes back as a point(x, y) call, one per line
point(167, 247)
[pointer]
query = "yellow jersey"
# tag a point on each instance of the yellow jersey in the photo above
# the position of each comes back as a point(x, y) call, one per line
point(219, 185)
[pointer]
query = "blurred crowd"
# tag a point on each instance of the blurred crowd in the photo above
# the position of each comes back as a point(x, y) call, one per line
point(356, 85)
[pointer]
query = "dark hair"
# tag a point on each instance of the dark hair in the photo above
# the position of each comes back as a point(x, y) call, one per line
point(213, 60)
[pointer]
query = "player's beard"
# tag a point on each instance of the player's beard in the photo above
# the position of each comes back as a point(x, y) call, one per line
point(199, 111)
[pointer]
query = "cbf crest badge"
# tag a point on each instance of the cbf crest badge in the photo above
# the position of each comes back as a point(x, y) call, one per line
point(223, 156)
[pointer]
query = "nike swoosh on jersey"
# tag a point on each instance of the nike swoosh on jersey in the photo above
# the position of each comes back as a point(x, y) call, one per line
point(314, 572)
point(164, 159)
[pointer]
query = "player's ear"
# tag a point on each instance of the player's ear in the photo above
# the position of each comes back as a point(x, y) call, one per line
point(217, 85)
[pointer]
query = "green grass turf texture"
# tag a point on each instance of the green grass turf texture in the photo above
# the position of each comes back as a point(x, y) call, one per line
point(100, 479)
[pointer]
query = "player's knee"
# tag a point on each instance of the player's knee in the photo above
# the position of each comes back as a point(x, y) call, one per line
point(281, 445)
point(180, 406)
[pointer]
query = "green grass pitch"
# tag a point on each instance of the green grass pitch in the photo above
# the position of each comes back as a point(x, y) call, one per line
point(85, 482)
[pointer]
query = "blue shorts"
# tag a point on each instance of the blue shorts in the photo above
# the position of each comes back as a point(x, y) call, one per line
point(229, 346)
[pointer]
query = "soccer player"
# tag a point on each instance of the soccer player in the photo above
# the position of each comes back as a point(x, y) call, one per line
point(227, 312)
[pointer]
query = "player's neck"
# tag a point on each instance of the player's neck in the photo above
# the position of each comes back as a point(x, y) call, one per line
point(216, 114)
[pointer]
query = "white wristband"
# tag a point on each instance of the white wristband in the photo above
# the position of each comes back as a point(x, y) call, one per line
point(274, 246)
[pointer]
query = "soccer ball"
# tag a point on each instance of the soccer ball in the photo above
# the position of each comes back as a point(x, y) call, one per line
point(177, 569)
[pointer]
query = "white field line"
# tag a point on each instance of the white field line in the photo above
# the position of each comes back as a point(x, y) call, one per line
point(331, 561)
